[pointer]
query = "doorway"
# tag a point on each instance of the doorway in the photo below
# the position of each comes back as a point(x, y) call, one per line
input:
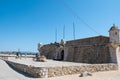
point(62, 55)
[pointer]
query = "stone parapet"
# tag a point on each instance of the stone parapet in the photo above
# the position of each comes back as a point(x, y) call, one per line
point(43, 72)
point(37, 72)
point(69, 70)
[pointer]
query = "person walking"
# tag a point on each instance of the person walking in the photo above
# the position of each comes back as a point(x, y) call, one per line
point(17, 55)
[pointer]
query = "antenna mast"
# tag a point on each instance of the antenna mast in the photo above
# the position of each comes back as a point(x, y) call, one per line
point(64, 32)
point(56, 35)
point(73, 31)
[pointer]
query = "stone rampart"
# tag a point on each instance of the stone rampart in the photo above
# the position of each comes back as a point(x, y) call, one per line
point(49, 50)
point(89, 54)
point(61, 70)
point(88, 50)
point(88, 41)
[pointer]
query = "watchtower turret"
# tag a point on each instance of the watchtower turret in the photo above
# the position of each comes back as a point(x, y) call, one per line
point(114, 34)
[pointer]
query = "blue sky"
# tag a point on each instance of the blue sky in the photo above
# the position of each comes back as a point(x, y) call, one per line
point(25, 23)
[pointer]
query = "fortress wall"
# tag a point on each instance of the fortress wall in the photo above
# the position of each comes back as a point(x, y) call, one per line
point(43, 72)
point(89, 50)
point(88, 41)
point(49, 50)
point(89, 54)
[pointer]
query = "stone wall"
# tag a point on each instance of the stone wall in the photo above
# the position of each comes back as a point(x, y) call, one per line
point(49, 50)
point(115, 53)
point(43, 72)
point(88, 41)
point(30, 70)
point(89, 50)
point(89, 54)
point(68, 70)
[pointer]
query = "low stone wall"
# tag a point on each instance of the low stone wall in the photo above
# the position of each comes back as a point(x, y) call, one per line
point(68, 70)
point(60, 71)
point(30, 70)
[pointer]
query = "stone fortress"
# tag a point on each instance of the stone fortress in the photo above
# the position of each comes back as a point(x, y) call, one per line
point(99, 53)
point(93, 50)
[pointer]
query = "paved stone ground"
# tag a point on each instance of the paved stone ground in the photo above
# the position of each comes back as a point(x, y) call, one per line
point(49, 63)
point(6, 73)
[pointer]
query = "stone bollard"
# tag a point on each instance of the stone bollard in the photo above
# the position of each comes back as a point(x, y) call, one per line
point(85, 74)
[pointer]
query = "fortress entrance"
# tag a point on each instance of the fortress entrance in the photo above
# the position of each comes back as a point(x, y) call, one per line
point(62, 55)
point(59, 55)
